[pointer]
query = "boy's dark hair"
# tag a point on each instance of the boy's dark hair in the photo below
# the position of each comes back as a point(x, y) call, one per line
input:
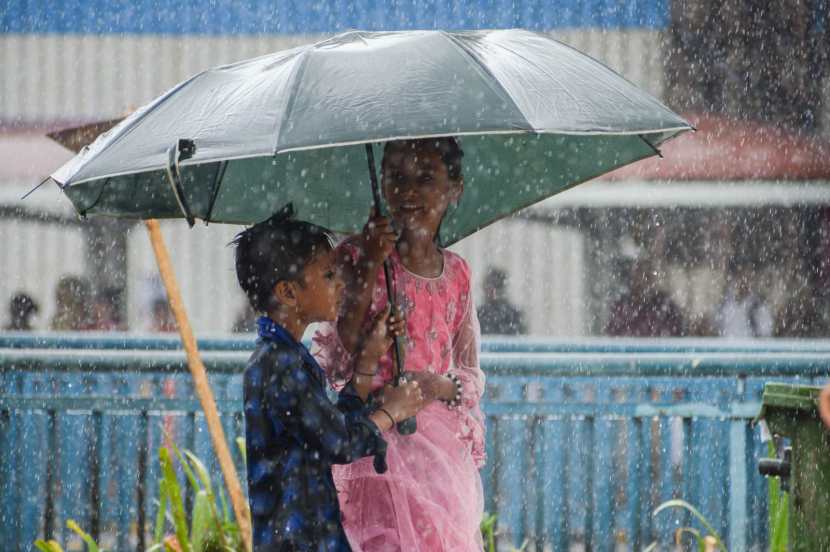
point(447, 146)
point(274, 250)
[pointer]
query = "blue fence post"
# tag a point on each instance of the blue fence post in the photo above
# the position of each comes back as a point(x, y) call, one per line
point(559, 470)
point(603, 451)
point(511, 467)
point(738, 520)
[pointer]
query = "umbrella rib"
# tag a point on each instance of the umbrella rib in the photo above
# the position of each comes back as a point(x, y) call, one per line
point(295, 84)
point(652, 146)
point(485, 70)
point(85, 210)
point(217, 183)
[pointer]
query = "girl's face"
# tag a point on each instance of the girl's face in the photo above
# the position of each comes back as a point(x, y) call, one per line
point(417, 188)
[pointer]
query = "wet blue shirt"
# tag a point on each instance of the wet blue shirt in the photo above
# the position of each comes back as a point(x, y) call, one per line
point(294, 434)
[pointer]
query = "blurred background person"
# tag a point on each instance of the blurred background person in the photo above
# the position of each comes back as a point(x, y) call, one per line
point(497, 315)
point(162, 317)
point(104, 311)
point(72, 305)
point(645, 310)
point(743, 312)
point(21, 310)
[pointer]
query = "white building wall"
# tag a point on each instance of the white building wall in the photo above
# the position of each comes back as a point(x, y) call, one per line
point(72, 78)
point(64, 79)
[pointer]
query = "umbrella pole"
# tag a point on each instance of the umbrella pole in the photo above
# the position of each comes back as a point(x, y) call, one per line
point(200, 383)
point(408, 426)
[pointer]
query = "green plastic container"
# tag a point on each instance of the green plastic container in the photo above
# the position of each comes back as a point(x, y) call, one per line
point(791, 411)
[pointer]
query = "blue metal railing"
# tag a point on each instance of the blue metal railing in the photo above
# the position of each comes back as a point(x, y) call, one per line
point(582, 445)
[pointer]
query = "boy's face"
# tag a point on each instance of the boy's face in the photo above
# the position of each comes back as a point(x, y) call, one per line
point(321, 288)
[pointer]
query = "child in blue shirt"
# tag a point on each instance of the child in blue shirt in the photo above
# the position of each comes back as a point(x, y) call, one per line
point(294, 433)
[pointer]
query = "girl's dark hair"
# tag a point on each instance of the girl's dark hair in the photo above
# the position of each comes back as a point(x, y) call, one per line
point(448, 147)
point(274, 250)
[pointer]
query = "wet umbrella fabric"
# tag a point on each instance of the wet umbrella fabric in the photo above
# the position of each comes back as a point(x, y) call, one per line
point(239, 142)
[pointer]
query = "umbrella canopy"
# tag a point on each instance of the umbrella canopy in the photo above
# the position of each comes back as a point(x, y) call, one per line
point(240, 141)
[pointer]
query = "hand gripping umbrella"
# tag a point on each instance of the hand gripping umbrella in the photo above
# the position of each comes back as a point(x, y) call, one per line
point(238, 142)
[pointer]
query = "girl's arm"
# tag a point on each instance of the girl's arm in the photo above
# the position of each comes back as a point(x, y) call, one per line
point(376, 343)
point(465, 357)
point(360, 275)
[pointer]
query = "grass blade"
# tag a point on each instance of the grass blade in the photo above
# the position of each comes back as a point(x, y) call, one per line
point(158, 533)
point(50, 546)
point(201, 471)
point(678, 503)
point(175, 497)
point(92, 546)
point(202, 520)
point(243, 449)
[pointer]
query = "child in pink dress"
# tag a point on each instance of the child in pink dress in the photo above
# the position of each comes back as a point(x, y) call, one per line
point(430, 499)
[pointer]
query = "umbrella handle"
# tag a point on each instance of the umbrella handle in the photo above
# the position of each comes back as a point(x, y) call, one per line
point(408, 426)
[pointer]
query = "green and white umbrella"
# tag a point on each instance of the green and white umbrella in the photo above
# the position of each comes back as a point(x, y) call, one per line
point(238, 142)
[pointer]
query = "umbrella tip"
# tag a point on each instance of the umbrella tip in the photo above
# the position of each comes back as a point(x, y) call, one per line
point(30, 192)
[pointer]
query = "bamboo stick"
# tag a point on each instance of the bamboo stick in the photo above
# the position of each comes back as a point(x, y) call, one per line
point(200, 382)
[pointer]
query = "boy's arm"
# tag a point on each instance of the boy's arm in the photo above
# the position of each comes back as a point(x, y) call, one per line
point(297, 404)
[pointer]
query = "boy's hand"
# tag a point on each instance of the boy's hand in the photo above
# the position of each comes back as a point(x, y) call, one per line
point(385, 327)
point(403, 401)
point(433, 386)
point(378, 237)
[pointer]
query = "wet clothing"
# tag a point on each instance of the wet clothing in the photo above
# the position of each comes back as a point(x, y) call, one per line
point(431, 499)
point(294, 434)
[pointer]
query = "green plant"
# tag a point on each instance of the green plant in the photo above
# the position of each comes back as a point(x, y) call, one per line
point(488, 533)
point(53, 546)
point(779, 511)
point(207, 530)
point(699, 538)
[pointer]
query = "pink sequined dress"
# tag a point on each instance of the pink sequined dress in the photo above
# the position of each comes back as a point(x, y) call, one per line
point(430, 499)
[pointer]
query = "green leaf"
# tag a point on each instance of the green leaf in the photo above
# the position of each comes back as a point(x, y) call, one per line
point(488, 530)
point(651, 547)
point(174, 494)
point(678, 503)
point(779, 510)
point(202, 471)
point(202, 521)
point(51, 546)
point(158, 533)
point(243, 450)
point(92, 546)
point(226, 514)
point(187, 471)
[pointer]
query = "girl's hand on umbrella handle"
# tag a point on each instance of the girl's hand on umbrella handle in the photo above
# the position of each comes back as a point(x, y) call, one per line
point(379, 338)
point(379, 237)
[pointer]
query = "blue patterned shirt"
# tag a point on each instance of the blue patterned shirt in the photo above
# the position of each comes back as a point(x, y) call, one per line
point(294, 434)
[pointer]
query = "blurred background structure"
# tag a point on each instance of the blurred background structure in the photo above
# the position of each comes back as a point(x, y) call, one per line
point(753, 77)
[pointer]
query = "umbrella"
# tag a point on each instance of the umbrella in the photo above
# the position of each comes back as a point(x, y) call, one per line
point(238, 142)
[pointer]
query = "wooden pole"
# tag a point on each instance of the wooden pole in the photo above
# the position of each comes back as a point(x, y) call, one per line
point(200, 383)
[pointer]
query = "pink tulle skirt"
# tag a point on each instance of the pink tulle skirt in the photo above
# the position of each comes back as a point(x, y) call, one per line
point(430, 499)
